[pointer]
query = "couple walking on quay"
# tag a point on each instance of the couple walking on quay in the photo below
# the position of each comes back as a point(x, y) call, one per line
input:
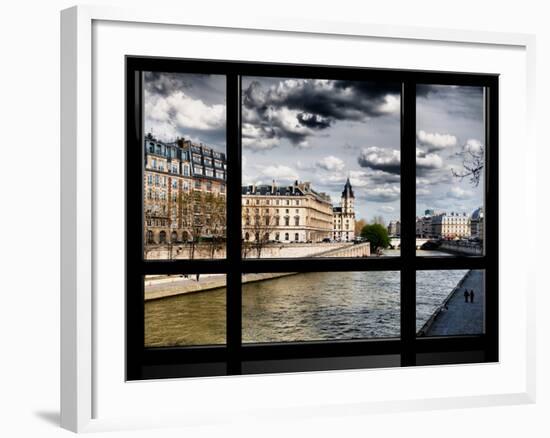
point(469, 295)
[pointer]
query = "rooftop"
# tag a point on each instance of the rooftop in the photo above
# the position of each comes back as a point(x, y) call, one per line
point(296, 189)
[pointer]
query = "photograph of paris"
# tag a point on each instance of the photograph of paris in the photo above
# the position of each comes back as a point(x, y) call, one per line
point(320, 178)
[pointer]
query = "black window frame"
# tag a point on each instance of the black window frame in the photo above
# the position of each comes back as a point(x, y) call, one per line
point(237, 358)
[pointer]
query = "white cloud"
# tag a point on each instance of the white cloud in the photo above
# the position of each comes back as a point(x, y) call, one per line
point(427, 160)
point(422, 181)
point(474, 146)
point(163, 130)
point(186, 112)
point(287, 119)
point(304, 166)
point(279, 172)
point(422, 191)
point(252, 138)
point(387, 193)
point(331, 163)
point(392, 104)
point(434, 141)
point(387, 209)
point(357, 178)
point(458, 193)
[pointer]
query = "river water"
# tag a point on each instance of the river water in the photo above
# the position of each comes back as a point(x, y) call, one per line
point(302, 307)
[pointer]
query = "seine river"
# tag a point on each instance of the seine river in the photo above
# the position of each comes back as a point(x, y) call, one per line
point(302, 307)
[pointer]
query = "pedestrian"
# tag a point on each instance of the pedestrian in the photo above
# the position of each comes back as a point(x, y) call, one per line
point(198, 275)
point(466, 295)
point(472, 296)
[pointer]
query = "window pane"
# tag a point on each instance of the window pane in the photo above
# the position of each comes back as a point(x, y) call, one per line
point(320, 306)
point(184, 310)
point(450, 162)
point(320, 161)
point(185, 166)
point(450, 302)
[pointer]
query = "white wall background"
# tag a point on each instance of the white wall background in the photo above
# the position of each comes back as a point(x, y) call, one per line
point(29, 216)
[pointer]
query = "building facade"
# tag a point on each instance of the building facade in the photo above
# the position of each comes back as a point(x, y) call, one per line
point(424, 227)
point(294, 213)
point(476, 224)
point(344, 216)
point(394, 228)
point(184, 192)
point(451, 225)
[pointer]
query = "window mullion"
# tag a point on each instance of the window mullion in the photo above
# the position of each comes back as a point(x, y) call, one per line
point(408, 233)
point(234, 299)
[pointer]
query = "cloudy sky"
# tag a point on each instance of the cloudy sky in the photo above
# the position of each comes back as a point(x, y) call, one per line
point(450, 122)
point(185, 105)
point(324, 131)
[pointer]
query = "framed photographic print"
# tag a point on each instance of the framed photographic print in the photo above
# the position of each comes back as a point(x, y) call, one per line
point(272, 217)
point(278, 232)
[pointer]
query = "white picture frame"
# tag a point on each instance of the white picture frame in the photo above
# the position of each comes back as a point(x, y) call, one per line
point(87, 378)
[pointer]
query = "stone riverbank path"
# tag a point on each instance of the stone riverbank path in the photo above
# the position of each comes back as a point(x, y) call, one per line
point(461, 318)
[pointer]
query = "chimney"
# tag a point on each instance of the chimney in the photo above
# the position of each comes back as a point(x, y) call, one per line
point(273, 187)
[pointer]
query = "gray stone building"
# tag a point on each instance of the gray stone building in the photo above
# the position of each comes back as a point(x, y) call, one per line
point(476, 223)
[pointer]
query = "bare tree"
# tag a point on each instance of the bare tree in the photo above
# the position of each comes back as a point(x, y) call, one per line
point(148, 246)
point(472, 166)
point(215, 221)
point(258, 226)
point(359, 226)
point(199, 211)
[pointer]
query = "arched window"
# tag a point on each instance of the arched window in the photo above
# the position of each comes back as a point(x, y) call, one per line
point(174, 236)
point(287, 236)
point(296, 237)
point(162, 237)
point(247, 236)
point(150, 237)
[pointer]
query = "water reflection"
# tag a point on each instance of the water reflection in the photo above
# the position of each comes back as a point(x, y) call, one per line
point(322, 306)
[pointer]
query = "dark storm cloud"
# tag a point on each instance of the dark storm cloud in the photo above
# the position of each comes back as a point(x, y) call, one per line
point(208, 88)
point(163, 84)
point(375, 158)
point(296, 109)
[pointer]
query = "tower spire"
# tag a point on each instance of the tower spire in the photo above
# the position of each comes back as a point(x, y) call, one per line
point(348, 190)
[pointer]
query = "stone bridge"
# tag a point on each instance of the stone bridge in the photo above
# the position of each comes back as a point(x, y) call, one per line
point(395, 242)
point(350, 250)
